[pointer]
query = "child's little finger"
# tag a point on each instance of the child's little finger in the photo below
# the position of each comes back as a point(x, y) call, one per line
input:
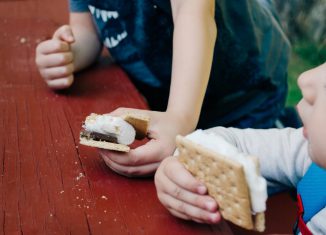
point(60, 83)
point(193, 212)
point(57, 72)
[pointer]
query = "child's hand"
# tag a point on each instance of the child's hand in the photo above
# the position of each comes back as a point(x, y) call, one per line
point(183, 195)
point(145, 159)
point(54, 59)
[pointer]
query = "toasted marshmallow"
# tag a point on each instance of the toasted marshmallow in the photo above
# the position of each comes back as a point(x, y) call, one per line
point(112, 126)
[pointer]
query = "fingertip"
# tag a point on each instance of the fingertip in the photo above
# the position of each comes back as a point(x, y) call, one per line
point(69, 38)
point(201, 189)
point(215, 218)
point(211, 205)
point(60, 83)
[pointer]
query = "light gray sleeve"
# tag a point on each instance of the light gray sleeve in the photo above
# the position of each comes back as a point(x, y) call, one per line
point(282, 153)
point(317, 223)
point(283, 157)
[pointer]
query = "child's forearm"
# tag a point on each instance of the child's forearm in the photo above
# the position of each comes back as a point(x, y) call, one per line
point(193, 47)
point(87, 45)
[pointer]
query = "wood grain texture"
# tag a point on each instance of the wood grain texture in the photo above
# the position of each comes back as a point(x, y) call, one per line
point(49, 184)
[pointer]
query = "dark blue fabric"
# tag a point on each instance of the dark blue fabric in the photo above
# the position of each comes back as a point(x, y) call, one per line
point(312, 189)
point(78, 5)
point(247, 86)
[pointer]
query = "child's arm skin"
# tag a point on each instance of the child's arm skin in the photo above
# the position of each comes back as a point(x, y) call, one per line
point(193, 46)
point(66, 52)
point(183, 195)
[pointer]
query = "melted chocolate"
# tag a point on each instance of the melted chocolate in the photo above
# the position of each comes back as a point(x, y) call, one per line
point(99, 136)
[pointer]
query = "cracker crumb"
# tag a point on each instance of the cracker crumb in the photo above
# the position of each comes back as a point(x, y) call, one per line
point(62, 191)
point(104, 197)
point(23, 40)
point(81, 175)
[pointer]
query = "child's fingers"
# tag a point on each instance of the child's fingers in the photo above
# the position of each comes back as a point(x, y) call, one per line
point(52, 46)
point(64, 33)
point(141, 156)
point(179, 215)
point(54, 60)
point(130, 171)
point(57, 72)
point(177, 173)
point(193, 212)
point(185, 217)
point(166, 186)
point(60, 83)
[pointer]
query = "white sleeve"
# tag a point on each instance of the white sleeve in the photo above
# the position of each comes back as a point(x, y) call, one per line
point(317, 223)
point(282, 153)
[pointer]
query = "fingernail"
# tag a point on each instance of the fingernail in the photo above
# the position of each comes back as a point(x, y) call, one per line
point(210, 205)
point(201, 189)
point(214, 218)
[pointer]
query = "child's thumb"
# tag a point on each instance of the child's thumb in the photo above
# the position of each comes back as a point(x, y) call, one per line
point(64, 33)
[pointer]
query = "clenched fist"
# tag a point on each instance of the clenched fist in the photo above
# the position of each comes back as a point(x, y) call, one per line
point(54, 59)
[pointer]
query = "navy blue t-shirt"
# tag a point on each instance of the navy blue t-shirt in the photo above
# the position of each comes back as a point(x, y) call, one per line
point(247, 86)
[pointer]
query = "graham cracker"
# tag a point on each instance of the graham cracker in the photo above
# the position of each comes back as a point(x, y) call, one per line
point(225, 181)
point(104, 145)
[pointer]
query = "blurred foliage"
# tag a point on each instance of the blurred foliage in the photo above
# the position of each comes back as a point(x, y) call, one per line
point(311, 52)
point(305, 55)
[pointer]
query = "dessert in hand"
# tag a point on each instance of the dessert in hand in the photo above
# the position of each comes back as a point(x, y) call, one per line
point(113, 132)
point(232, 178)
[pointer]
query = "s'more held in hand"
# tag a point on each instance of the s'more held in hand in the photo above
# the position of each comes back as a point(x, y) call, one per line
point(231, 177)
point(113, 132)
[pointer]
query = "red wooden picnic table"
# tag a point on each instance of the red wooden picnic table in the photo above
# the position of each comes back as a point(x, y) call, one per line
point(49, 183)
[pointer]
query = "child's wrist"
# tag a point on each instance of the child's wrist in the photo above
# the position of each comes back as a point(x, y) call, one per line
point(186, 123)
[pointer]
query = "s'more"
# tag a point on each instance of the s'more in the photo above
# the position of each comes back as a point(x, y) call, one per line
point(113, 132)
point(231, 177)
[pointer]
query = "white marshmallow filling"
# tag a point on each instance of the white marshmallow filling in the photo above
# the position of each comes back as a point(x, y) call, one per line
point(112, 126)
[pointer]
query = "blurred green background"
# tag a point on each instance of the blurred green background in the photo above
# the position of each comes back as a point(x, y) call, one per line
point(305, 55)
